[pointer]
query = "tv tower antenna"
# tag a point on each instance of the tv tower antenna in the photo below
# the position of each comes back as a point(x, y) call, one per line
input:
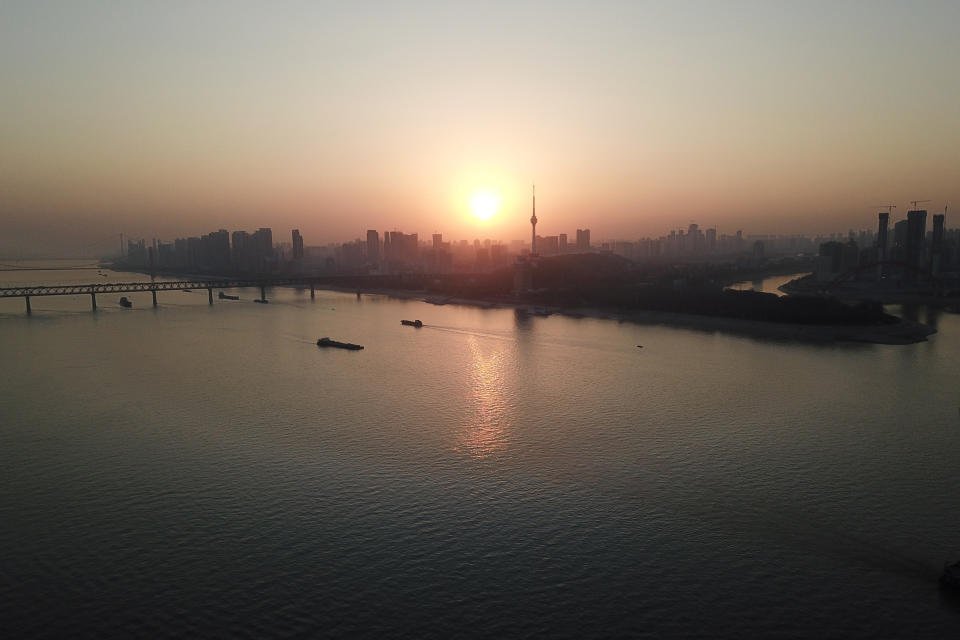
point(533, 224)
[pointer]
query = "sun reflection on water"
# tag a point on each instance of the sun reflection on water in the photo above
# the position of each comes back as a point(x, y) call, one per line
point(487, 430)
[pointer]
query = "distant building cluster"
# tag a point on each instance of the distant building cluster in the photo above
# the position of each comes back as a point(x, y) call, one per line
point(398, 252)
point(910, 253)
point(217, 251)
point(696, 244)
point(907, 251)
point(393, 252)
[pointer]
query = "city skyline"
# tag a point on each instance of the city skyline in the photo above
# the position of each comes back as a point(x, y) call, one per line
point(638, 117)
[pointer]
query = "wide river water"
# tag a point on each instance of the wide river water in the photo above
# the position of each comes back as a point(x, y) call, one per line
point(208, 471)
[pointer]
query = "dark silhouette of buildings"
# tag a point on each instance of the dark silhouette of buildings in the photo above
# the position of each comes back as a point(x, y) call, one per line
point(297, 245)
point(916, 232)
point(583, 240)
point(373, 247)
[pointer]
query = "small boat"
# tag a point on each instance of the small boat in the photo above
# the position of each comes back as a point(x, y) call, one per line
point(327, 342)
point(412, 323)
point(125, 303)
point(257, 300)
point(950, 578)
point(227, 296)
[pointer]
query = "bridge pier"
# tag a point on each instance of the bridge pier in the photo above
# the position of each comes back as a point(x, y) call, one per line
point(210, 295)
point(93, 301)
point(27, 298)
point(154, 292)
point(312, 291)
point(263, 294)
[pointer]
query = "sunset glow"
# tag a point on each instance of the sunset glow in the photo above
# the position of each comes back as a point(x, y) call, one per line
point(484, 204)
point(776, 119)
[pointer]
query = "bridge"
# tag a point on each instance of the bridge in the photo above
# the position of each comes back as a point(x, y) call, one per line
point(358, 282)
point(153, 287)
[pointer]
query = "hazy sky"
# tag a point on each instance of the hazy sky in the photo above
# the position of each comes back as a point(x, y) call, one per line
point(175, 118)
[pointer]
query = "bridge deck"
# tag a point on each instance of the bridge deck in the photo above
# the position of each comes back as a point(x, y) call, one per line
point(130, 287)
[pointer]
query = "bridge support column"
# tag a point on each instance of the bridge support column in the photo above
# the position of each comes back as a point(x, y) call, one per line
point(263, 294)
point(27, 298)
point(313, 293)
point(154, 292)
point(93, 301)
point(210, 295)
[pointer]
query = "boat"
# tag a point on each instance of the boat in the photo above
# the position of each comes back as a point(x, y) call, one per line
point(259, 300)
point(412, 323)
point(327, 342)
point(950, 578)
point(227, 296)
point(125, 303)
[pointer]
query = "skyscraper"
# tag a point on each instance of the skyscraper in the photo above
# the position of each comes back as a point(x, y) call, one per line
point(297, 245)
point(916, 231)
point(583, 240)
point(883, 221)
point(936, 243)
point(373, 246)
point(262, 240)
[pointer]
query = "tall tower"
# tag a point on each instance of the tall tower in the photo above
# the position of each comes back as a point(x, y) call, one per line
point(883, 222)
point(533, 224)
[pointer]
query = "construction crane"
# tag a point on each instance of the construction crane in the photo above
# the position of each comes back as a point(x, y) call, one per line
point(916, 202)
point(888, 207)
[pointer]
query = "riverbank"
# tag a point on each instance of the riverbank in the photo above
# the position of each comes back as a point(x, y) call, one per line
point(900, 333)
point(855, 292)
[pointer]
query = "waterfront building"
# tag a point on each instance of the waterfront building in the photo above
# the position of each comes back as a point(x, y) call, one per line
point(373, 247)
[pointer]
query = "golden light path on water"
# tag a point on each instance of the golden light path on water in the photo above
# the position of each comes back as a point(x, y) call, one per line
point(488, 428)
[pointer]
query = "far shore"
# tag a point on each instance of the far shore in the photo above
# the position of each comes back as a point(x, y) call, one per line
point(901, 333)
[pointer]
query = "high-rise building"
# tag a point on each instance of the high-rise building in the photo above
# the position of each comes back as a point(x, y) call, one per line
point(583, 240)
point(437, 241)
point(262, 240)
point(563, 242)
point(883, 222)
point(297, 245)
point(898, 249)
point(215, 250)
point(936, 244)
point(404, 248)
point(373, 246)
point(916, 232)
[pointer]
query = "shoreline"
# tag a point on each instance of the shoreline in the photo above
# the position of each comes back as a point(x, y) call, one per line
point(799, 287)
point(901, 333)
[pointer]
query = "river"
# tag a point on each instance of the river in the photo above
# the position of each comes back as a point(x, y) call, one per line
point(202, 470)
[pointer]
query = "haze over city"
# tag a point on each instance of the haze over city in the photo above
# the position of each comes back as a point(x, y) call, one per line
point(633, 118)
point(441, 319)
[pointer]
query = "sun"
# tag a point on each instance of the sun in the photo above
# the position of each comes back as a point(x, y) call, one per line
point(484, 203)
